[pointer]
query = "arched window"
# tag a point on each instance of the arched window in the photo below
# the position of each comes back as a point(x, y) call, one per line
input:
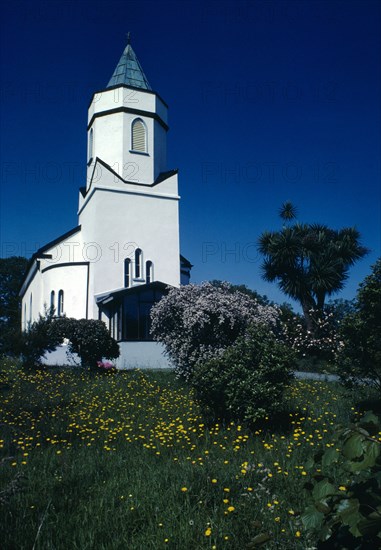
point(127, 272)
point(138, 263)
point(60, 308)
point(139, 136)
point(25, 321)
point(30, 308)
point(149, 272)
point(52, 299)
point(91, 143)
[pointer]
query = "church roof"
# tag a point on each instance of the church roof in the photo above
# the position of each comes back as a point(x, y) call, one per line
point(129, 71)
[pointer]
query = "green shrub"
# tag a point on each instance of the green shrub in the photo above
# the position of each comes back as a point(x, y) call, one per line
point(346, 491)
point(89, 338)
point(247, 382)
point(360, 354)
point(40, 337)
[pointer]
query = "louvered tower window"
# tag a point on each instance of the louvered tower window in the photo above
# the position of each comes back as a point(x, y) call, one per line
point(139, 137)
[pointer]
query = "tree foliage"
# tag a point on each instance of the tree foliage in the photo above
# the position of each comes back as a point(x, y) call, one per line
point(360, 354)
point(309, 261)
point(12, 271)
point(41, 337)
point(198, 322)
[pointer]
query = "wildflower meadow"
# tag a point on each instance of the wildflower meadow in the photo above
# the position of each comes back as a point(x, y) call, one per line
point(125, 460)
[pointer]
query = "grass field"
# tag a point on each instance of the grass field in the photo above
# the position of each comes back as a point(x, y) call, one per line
point(127, 461)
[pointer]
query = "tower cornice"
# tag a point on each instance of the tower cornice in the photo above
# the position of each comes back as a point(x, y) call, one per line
point(151, 92)
point(138, 112)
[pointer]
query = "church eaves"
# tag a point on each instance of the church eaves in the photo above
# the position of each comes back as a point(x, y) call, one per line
point(129, 71)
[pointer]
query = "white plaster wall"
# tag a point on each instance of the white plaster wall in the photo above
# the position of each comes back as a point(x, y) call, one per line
point(160, 150)
point(161, 109)
point(129, 98)
point(68, 250)
point(127, 222)
point(60, 357)
point(112, 134)
point(108, 142)
point(117, 218)
point(52, 276)
point(141, 355)
point(73, 281)
point(35, 289)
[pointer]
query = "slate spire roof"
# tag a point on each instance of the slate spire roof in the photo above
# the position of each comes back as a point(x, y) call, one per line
point(129, 71)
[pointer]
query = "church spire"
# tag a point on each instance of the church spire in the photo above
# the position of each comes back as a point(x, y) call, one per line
point(129, 71)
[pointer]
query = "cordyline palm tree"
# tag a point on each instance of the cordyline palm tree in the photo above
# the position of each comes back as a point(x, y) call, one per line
point(287, 211)
point(309, 261)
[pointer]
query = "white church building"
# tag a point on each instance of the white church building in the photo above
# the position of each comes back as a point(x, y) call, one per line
point(125, 250)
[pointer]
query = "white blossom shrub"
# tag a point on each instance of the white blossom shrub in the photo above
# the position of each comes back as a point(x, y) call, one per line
point(324, 341)
point(198, 322)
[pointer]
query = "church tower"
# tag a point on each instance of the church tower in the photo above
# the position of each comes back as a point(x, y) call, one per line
point(127, 124)
point(129, 207)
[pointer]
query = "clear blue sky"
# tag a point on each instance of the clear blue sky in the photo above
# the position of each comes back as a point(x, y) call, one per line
point(269, 101)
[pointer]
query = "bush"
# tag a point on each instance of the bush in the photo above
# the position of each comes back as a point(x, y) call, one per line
point(198, 322)
point(88, 338)
point(317, 346)
point(360, 355)
point(247, 382)
point(40, 337)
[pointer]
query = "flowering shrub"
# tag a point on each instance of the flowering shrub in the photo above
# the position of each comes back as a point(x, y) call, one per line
point(322, 342)
point(198, 322)
point(248, 381)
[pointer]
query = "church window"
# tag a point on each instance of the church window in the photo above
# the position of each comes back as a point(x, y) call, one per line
point(138, 263)
point(60, 308)
point(149, 270)
point(30, 308)
point(25, 323)
point(52, 299)
point(91, 144)
point(139, 136)
point(127, 272)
